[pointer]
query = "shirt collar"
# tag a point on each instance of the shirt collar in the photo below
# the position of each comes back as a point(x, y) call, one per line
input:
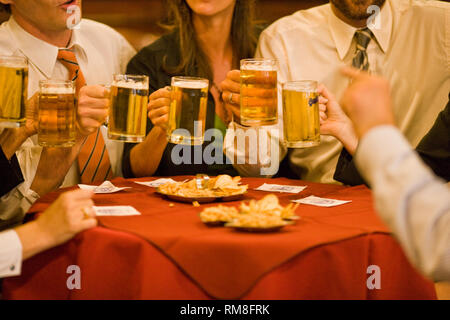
point(342, 33)
point(42, 54)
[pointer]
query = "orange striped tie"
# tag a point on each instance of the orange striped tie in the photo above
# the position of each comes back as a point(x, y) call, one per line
point(93, 159)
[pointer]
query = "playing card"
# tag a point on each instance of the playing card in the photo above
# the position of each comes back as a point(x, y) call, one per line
point(105, 187)
point(321, 202)
point(280, 188)
point(116, 211)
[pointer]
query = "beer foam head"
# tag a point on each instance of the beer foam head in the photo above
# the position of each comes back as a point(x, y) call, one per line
point(13, 62)
point(194, 84)
point(259, 64)
point(130, 84)
point(57, 90)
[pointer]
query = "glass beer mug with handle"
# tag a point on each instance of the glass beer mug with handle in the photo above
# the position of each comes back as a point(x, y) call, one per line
point(128, 109)
point(187, 115)
point(301, 120)
point(259, 92)
point(13, 91)
point(57, 113)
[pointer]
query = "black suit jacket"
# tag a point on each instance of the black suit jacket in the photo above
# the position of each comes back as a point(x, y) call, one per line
point(434, 149)
point(10, 173)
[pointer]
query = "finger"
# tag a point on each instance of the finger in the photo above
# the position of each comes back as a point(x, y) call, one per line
point(157, 103)
point(232, 86)
point(352, 72)
point(96, 91)
point(325, 93)
point(88, 124)
point(78, 194)
point(323, 100)
point(231, 98)
point(156, 113)
point(87, 224)
point(322, 108)
point(161, 93)
point(96, 114)
point(234, 75)
point(161, 121)
point(323, 116)
point(98, 103)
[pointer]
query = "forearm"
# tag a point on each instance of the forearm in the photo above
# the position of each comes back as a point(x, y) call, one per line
point(348, 139)
point(33, 239)
point(409, 198)
point(254, 151)
point(11, 140)
point(146, 156)
point(53, 167)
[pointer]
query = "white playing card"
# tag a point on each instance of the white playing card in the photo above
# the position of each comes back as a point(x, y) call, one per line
point(105, 187)
point(116, 211)
point(321, 202)
point(280, 188)
point(155, 183)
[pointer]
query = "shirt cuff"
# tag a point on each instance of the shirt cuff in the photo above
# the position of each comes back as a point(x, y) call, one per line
point(10, 254)
point(380, 146)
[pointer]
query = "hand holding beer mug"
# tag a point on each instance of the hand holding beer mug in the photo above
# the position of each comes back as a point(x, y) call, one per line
point(187, 115)
point(128, 110)
point(159, 106)
point(259, 104)
point(57, 113)
point(13, 91)
point(301, 114)
point(92, 109)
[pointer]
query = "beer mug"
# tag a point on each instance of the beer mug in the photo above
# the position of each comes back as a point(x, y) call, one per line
point(258, 92)
point(187, 115)
point(128, 110)
point(57, 113)
point(13, 91)
point(301, 114)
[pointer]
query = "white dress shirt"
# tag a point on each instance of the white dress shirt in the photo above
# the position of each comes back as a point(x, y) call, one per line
point(411, 49)
point(101, 52)
point(10, 254)
point(412, 201)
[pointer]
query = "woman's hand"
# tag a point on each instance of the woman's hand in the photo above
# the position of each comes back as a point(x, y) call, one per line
point(158, 107)
point(334, 121)
point(231, 89)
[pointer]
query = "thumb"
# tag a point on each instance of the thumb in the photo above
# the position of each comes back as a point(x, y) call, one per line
point(88, 224)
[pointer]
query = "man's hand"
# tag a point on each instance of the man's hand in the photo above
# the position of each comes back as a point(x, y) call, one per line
point(31, 113)
point(367, 101)
point(92, 110)
point(158, 108)
point(70, 214)
point(231, 89)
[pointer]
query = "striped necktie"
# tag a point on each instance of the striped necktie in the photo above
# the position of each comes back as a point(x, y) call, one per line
point(360, 60)
point(93, 159)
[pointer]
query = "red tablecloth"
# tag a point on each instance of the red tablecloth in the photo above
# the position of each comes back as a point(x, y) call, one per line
point(167, 253)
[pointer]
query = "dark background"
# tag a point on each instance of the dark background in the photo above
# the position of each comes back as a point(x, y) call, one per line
point(138, 20)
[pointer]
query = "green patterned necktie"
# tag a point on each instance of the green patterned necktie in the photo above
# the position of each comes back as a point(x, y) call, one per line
point(360, 60)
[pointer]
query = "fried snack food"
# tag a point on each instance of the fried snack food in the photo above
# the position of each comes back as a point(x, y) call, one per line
point(270, 206)
point(219, 213)
point(264, 213)
point(220, 186)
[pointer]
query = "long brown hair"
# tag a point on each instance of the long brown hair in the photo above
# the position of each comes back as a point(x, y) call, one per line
point(192, 57)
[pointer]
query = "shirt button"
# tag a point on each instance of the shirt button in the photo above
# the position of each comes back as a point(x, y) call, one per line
point(12, 267)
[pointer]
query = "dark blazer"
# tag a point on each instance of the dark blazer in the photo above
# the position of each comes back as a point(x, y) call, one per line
point(434, 149)
point(10, 173)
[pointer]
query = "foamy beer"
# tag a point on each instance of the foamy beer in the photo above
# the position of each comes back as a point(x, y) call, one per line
point(301, 114)
point(57, 113)
point(13, 91)
point(258, 92)
point(128, 110)
point(187, 115)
